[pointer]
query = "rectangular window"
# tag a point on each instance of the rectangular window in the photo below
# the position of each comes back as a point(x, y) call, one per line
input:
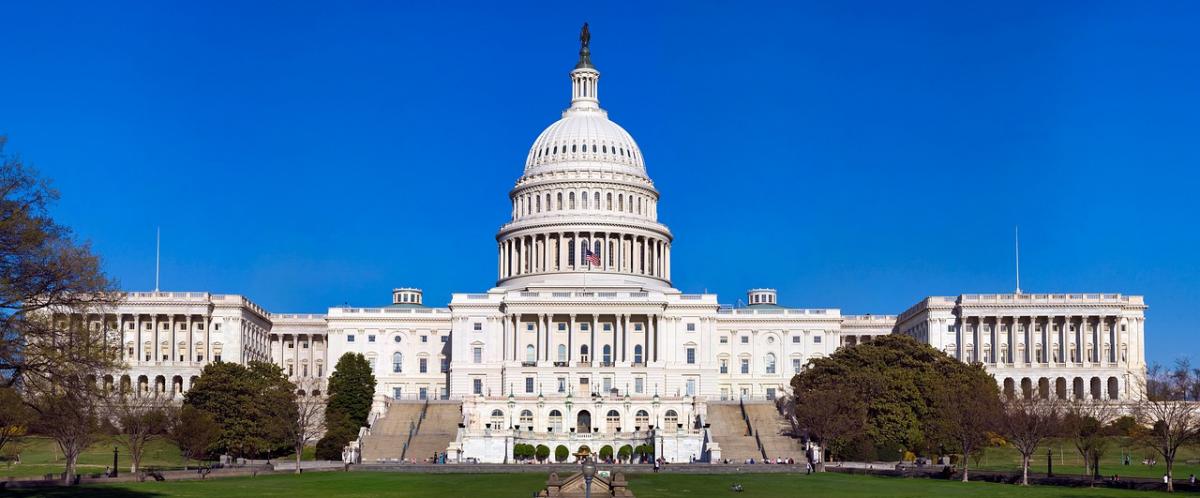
point(529, 327)
point(745, 366)
point(370, 338)
point(562, 384)
point(637, 327)
point(424, 365)
point(423, 393)
point(217, 358)
point(724, 339)
point(691, 327)
point(817, 339)
point(477, 355)
point(607, 327)
point(478, 326)
point(477, 386)
point(691, 387)
point(291, 345)
point(745, 339)
point(562, 327)
point(396, 392)
point(424, 338)
point(350, 338)
point(445, 339)
point(445, 365)
point(583, 327)
point(607, 385)
point(770, 393)
point(691, 356)
point(796, 365)
point(724, 366)
point(529, 385)
point(639, 385)
point(796, 339)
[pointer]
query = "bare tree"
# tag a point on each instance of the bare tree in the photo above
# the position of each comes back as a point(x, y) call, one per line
point(1086, 423)
point(832, 416)
point(68, 412)
point(139, 419)
point(965, 409)
point(194, 430)
point(308, 422)
point(49, 280)
point(1172, 416)
point(1027, 421)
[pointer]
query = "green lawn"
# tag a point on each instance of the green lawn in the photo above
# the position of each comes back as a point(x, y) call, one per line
point(519, 485)
point(41, 456)
point(1068, 461)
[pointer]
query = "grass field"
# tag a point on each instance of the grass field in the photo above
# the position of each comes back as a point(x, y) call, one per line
point(520, 485)
point(1068, 461)
point(40, 456)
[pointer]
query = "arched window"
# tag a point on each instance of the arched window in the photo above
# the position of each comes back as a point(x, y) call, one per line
point(559, 206)
point(642, 420)
point(562, 352)
point(637, 353)
point(583, 353)
point(571, 200)
point(670, 419)
point(607, 357)
point(620, 202)
point(613, 419)
point(584, 200)
point(526, 418)
point(530, 353)
point(571, 252)
point(397, 362)
point(609, 207)
point(555, 421)
point(770, 361)
point(497, 419)
point(538, 203)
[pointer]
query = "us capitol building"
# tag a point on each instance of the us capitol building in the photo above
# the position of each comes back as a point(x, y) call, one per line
point(584, 341)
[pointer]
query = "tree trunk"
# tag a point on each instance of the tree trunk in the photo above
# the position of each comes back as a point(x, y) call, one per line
point(1170, 474)
point(69, 474)
point(1024, 470)
point(966, 467)
point(298, 450)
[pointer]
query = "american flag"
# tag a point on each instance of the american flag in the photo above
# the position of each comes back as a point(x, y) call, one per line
point(591, 257)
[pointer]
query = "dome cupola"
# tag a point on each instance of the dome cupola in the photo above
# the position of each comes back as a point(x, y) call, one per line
point(584, 212)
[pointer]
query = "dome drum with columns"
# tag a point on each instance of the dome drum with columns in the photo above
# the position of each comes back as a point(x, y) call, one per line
point(584, 212)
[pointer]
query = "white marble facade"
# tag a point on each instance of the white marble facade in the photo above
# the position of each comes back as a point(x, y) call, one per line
point(583, 319)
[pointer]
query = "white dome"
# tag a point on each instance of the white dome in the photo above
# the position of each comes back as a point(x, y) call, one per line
point(585, 139)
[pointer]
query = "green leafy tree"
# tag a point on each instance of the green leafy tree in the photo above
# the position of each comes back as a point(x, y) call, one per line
point(252, 404)
point(543, 452)
point(15, 417)
point(351, 392)
point(890, 395)
point(606, 452)
point(561, 453)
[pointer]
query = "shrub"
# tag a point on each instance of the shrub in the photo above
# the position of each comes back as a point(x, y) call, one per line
point(606, 452)
point(625, 452)
point(561, 453)
point(543, 452)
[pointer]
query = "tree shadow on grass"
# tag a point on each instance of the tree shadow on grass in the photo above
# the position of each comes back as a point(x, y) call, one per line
point(71, 491)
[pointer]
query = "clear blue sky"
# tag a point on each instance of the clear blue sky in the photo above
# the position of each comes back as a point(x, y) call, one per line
point(858, 156)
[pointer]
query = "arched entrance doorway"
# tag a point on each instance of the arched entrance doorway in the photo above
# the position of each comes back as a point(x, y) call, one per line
point(583, 422)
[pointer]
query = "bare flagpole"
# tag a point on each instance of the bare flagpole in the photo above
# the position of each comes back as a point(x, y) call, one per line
point(157, 255)
point(1017, 252)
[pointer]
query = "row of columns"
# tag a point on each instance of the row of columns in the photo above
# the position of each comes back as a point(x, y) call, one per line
point(311, 360)
point(156, 335)
point(1039, 331)
point(528, 204)
point(565, 251)
point(621, 344)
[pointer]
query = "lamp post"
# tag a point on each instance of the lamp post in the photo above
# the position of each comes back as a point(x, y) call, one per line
point(589, 471)
point(114, 469)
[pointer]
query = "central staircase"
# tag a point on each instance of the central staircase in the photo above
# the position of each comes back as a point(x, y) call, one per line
point(411, 430)
point(752, 430)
